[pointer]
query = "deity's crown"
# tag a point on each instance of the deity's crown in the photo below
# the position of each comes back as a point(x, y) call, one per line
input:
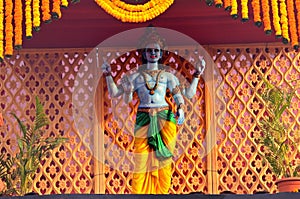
point(151, 36)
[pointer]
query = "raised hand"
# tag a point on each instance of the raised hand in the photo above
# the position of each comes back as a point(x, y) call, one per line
point(200, 66)
point(105, 67)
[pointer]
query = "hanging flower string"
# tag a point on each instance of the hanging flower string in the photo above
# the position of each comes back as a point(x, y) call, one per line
point(28, 19)
point(1, 31)
point(234, 9)
point(46, 16)
point(276, 18)
point(8, 28)
point(64, 3)
point(284, 15)
point(18, 18)
point(298, 14)
point(227, 5)
point(245, 16)
point(36, 15)
point(218, 3)
point(284, 21)
point(266, 16)
point(12, 21)
point(292, 22)
point(56, 13)
point(256, 12)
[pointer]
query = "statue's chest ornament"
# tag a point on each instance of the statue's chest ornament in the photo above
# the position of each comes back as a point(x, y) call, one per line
point(152, 73)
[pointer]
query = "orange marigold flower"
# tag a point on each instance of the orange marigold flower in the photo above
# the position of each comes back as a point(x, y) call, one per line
point(292, 23)
point(266, 16)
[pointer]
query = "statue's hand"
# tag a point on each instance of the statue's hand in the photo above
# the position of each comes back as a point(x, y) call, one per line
point(180, 114)
point(200, 66)
point(105, 68)
point(127, 85)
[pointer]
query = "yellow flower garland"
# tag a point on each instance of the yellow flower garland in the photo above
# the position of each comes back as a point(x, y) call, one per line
point(28, 19)
point(1, 30)
point(36, 14)
point(284, 21)
point(276, 18)
point(8, 28)
point(18, 18)
point(234, 9)
point(245, 15)
point(134, 13)
point(64, 3)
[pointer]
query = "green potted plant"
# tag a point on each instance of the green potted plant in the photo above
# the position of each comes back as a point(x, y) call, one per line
point(275, 142)
point(17, 172)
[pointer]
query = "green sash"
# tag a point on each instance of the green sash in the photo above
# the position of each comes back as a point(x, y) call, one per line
point(154, 134)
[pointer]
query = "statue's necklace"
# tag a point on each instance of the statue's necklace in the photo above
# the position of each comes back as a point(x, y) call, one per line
point(152, 73)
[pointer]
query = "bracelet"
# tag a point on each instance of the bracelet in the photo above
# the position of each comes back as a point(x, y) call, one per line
point(197, 74)
point(176, 90)
point(181, 106)
point(106, 74)
point(129, 92)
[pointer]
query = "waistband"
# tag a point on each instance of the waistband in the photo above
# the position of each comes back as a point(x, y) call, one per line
point(153, 111)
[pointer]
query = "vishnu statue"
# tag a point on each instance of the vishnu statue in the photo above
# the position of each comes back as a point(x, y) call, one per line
point(155, 128)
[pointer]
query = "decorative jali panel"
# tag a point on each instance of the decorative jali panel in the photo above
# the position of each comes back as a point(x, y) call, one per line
point(240, 168)
point(76, 100)
point(50, 76)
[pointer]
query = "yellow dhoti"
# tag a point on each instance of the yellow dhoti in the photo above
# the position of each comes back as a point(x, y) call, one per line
point(155, 139)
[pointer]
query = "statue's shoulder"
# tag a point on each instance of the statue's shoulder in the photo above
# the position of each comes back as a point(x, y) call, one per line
point(133, 76)
point(169, 75)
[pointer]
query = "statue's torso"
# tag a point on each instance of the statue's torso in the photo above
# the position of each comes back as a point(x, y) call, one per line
point(144, 82)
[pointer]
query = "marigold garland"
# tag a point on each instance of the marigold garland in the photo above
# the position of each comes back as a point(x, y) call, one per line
point(245, 16)
point(64, 3)
point(13, 10)
point(266, 16)
point(234, 9)
point(227, 4)
point(1, 30)
point(297, 2)
point(28, 19)
point(284, 16)
point(8, 28)
point(56, 13)
point(134, 13)
point(46, 16)
point(256, 12)
point(292, 23)
point(218, 3)
point(36, 15)
point(18, 19)
point(276, 18)
point(284, 21)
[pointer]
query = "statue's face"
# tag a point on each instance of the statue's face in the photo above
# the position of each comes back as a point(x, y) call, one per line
point(153, 53)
